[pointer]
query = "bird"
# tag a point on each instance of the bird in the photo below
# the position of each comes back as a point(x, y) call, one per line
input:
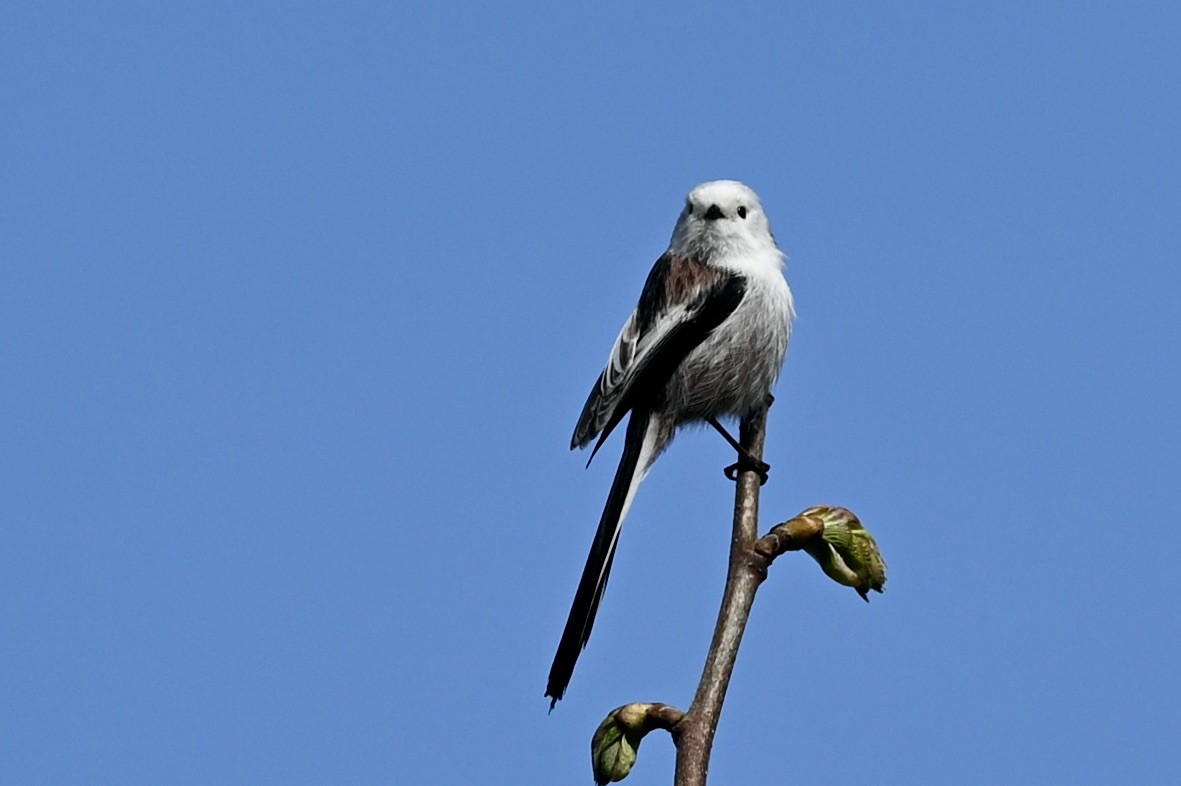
point(706, 340)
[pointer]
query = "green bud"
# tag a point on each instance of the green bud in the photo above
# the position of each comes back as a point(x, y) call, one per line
point(847, 553)
point(617, 740)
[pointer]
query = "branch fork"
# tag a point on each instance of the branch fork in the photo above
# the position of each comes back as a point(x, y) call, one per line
point(833, 536)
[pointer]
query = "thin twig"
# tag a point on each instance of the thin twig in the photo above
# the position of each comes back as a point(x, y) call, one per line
point(694, 734)
point(833, 536)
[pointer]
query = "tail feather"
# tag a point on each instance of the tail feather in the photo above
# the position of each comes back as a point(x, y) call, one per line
point(638, 448)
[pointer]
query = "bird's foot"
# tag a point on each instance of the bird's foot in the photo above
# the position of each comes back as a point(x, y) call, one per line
point(748, 463)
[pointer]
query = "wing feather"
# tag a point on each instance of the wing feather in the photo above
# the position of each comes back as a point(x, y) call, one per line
point(681, 304)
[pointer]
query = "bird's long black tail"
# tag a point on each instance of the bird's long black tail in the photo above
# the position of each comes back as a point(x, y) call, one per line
point(632, 466)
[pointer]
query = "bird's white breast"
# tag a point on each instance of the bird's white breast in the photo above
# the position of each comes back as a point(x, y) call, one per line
point(733, 370)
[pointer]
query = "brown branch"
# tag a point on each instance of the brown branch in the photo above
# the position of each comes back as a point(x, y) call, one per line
point(833, 536)
point(794, 535)
point(694, 735)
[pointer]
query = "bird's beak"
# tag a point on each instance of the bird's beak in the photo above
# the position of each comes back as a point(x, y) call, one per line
point(714, 213)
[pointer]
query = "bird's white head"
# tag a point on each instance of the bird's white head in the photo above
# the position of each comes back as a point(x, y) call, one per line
point(722, 217)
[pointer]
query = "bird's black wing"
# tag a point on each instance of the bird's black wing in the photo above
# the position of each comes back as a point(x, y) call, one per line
point(681, 304)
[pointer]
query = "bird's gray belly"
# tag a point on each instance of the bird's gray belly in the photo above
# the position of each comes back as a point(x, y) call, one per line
point(733, 370)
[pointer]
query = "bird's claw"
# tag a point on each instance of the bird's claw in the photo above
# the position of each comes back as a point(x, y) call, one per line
point(761, 468)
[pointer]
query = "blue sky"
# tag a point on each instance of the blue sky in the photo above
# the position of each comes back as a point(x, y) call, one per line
point(300, 304)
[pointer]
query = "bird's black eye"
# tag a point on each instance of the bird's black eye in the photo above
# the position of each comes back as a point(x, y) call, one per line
point(742, 211)
point(688, 208)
